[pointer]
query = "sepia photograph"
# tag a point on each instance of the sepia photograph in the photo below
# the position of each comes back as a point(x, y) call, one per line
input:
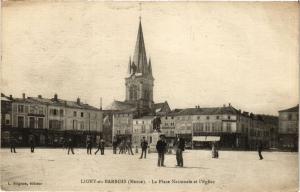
point(144, 96)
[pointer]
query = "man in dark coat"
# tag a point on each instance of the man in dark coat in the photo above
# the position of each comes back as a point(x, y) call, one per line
point(180, 145)
point(144, 146)
point(13, 143)
point(129, 147)
point(89, 145)
point(101, 145)
point(161, 149)
point(70, 146)
point(32, 143)
point(115, 145)
point(259, 149)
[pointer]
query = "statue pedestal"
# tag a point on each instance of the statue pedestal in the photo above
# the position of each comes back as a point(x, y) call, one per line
point(155, 137)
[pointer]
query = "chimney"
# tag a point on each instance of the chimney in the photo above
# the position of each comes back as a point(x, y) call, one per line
point(229, 104)
point(100, 103)
point(23, 95)
point(55, 97)
point(39, 96)
point(224, 105)
point(198, 106)
point(10, 97)
point(78, 100)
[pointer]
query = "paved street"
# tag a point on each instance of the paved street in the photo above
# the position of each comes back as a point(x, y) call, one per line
point(53, 169)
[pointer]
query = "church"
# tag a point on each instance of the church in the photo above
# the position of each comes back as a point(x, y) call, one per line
point(139, 84)
point(139, 102)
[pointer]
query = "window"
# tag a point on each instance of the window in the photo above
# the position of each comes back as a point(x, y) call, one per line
point(133, 92)
point(21, 108)
point(41, 110)
point(55, 124)
point(7, 119)
point(166, 117)
point(31, 110)
point(81, 125)
point(20, 122)
point(31, 122)
point(217, 117)
point(228, 117)
point(290, 117)
point(136, 122)
point(207, 117)
point(172, 117)
point(74, 124)
point(81, 114)
point(74, 113)
point(213, 127)
point(143, 122)
point(207, 127)
point(228, 127)
point(201, 127)
point(40, 123)
point(143, 129)
point(53, 112)
point(61, 112)
point(198, 117)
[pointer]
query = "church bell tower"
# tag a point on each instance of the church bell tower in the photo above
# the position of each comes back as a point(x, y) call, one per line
point(139, 82)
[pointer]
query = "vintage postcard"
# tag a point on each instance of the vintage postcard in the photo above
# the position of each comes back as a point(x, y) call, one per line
point(149, 96)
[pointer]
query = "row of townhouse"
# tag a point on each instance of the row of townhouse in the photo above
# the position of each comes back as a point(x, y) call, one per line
point(199, 126)
point(49, 120)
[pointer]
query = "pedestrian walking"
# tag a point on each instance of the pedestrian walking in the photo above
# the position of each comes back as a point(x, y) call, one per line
point(101, 145)
point(144, 146)
point(180, 146)
point(161, 149)
point(259, 149)
point(13, 142)
point(70, 146)
point(89, 145)
point(122, 147)
point(129, 147)
point(115, 144)
point(32, 143)
point(214, 151)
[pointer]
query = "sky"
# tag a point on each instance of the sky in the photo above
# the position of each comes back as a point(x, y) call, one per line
point(206, 54)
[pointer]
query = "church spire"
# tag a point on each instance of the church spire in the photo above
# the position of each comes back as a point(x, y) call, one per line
point(139, 57)
point(149, 67)
point(129, 66)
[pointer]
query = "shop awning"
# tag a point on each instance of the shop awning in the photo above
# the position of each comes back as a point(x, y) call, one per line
point(206, 138)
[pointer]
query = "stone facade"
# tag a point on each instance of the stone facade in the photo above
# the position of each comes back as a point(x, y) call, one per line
point(51, 119)
point(289, 128)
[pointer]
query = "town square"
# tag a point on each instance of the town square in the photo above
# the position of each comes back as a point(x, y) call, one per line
point(149, 96)
point(233, 171)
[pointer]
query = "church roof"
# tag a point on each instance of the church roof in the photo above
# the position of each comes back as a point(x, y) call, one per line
point(293, 109)
point(161, 107)
point(119, 106)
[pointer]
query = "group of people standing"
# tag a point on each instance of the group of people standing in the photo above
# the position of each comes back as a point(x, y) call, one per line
point(89, 146)
point(161, 147)
point(125, 146)
point(13, 142)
